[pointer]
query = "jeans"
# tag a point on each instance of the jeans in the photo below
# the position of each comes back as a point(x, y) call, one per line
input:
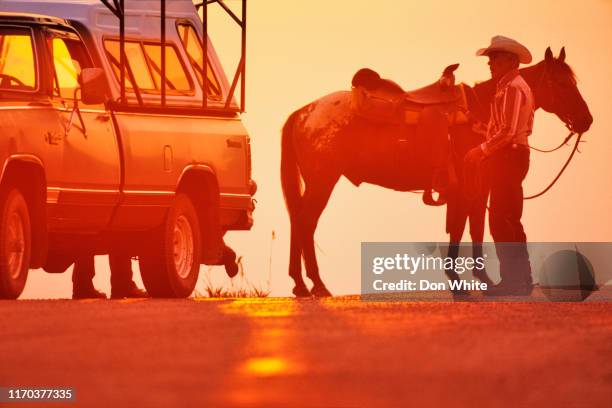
point(120, 268)
point(506, 170)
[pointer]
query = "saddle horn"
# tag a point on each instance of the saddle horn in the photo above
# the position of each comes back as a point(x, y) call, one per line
point(448, 77)
point(450, 69)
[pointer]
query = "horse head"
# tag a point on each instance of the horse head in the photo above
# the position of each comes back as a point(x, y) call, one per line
point(556, 91)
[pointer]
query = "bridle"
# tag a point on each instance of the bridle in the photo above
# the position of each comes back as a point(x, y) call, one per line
point(545, 80)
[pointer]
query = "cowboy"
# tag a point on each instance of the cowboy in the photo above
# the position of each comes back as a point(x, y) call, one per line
point(505, 156)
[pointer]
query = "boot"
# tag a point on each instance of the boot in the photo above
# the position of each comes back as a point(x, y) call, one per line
point(515, 271)
point(82, 278)
point(480, 274)
point(483, 277)
point(86, 290)
point(128, 290)
point(453, 252)
point(122, 284)
point(453, 276)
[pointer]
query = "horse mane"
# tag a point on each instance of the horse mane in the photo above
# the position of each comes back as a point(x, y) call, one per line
point(486, 89)
point(557, 66)
point(565, 69)
point(479, 97)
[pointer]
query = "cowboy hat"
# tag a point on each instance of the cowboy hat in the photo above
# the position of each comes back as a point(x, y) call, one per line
point(505, 44)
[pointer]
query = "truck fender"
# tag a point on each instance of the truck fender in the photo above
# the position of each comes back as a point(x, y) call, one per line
point(199, 182)
point(26, 172)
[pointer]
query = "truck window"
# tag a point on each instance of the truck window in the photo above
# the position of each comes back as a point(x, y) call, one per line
point(176, 78)
point(136, 59)
point(144, 60)
point(17, 62)
point(193, 46)
point(69, 58)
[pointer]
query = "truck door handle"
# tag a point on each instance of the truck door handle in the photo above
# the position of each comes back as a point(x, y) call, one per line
point(234, 143)
point(103, 117)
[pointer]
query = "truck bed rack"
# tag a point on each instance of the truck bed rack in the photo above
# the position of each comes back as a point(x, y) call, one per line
point(117, 7)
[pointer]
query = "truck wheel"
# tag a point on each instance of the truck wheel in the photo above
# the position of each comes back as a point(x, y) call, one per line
point(15, 243)
point(170, 266)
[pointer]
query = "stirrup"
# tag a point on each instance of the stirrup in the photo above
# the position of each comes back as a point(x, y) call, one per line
point(429, 200)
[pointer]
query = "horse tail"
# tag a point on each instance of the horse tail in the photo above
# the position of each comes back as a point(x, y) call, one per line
point(291, 178)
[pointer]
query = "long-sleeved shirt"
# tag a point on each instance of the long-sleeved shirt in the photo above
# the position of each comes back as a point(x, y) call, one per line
point(512, 111)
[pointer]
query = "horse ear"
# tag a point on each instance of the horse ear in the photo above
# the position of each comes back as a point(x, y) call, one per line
point(548, 55)
point(562, 54)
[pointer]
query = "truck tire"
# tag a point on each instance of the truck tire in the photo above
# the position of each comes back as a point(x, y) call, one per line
point(171, 264)
point(15, 243)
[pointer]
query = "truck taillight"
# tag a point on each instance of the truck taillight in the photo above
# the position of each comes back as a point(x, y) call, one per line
point(252, 187)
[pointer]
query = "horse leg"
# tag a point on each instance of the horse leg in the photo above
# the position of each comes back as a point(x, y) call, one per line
point(314, 201)
point(456, 218)
point(295, 259)
point(477, 213)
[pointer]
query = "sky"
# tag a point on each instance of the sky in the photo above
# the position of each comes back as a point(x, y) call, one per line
point(299, 51)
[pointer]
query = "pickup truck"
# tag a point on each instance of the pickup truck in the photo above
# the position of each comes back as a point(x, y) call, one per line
point(93, 166)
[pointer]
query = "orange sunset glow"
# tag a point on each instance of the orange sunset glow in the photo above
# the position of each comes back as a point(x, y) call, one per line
point(277, 192)
point(299, 51)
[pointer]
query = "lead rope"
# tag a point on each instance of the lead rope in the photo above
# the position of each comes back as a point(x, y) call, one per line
point(569, 159)
point(564, 143)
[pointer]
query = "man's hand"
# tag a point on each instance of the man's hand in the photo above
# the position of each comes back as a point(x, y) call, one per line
point(474, 156)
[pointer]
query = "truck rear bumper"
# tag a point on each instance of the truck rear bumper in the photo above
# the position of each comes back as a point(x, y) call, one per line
point(237, 220)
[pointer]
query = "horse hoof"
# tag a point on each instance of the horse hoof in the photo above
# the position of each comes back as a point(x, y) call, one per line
point(301, 291)
point(483, 277)
point(320, 291)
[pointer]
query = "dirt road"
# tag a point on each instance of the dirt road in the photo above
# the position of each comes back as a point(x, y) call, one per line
point(339, 352)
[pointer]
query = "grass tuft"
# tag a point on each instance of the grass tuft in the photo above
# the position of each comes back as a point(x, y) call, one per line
point(240, 286)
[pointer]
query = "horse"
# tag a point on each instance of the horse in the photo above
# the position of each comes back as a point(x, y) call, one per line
point(325, 140)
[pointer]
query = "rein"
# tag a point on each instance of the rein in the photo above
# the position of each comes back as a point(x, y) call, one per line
point(544, 80)
point(563, 143)
point(567, 162)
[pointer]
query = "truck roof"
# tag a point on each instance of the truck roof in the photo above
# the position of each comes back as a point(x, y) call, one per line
point(142, 16)
point(133, 5)
point(31, 17)
point(142, 22)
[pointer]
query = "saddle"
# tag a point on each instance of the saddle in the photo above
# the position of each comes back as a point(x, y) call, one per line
point(382, 100)
point(430, 109)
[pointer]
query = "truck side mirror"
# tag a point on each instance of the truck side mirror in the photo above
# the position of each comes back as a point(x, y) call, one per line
point(93, 86)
